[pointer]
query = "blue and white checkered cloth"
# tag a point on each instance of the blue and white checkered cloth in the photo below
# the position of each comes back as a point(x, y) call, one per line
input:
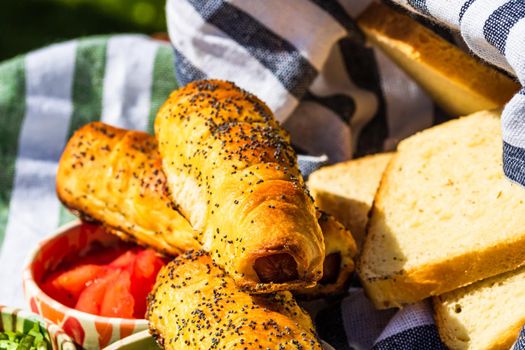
point(341, 98)
point(495, 31)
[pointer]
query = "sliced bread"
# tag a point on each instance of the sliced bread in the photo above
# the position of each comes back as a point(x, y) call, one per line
point(486, 315)
point(346, 190)
point(444, 215)
point(458, 82)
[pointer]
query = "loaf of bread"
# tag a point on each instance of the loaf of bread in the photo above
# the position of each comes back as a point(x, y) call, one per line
point(232, 171)
point(196, 305)
point(346, 190)
point(114, 176)
point(458, 82)
point(486, 315)
point(444, 215)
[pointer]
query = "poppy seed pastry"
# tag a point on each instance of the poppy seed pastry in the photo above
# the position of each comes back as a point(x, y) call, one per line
point(232, 171)
point(137, 164)
point(114, 176)
point(340, 251)
point(196, 305)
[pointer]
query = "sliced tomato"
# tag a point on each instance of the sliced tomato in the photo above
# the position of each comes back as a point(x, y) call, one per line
point(145, 270)
point(74, 281)
point(125, 260)
point(118, 301)
point(91, 298)
point(112, 282)
point(148, 264)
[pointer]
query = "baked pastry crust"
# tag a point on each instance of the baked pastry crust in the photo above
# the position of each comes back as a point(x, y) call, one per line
point(136, 146)
point(340, 251)
point(113, 176)
point(231, 169)
point(196, 305)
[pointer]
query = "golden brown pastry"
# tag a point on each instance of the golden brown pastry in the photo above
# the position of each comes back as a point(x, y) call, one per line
point(114, 176)
point(340, 249)
point(196, 305)
point(231, 169)
point(340, 246)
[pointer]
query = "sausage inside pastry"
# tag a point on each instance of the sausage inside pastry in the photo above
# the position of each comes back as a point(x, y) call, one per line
point(146, 188)
point(231, 169)
point(340, 250)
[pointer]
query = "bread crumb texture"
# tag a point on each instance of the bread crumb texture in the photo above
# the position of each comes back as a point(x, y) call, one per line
point(444, 216)
point(485, 315)
point(346, 190)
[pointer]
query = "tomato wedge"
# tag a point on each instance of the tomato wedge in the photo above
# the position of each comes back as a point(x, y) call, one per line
point(91, 298)
point(118, 301)
point(111, 282)
point(145, 270)
point(66, 286)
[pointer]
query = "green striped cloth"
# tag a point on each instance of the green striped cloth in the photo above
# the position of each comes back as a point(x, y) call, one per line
point(44, 97)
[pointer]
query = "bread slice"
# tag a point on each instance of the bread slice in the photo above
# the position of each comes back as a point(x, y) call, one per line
point(444, 215)
point(459, 83)
point(486, 315)
point(346, 190)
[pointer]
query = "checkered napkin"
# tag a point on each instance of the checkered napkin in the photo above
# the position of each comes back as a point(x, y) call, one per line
point(337, 97)
point(44, 97)
point(341, 98)
point(495, 31)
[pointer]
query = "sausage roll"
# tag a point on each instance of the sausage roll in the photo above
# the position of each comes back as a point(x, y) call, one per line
point(114, 176)
point(196, 305)
point(340, 250)
point(339, 244)
point(231, 169)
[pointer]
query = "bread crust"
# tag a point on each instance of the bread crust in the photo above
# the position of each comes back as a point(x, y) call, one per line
point(196, 305)
point(339, 190)
point(411, 285)
point(450, 336)
point(231, 168)
point(113, 176)
point(451, 340)
point(458, 82)
point(447, 272)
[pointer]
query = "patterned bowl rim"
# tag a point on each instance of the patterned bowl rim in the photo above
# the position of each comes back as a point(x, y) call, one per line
point(54, 331)
point(31, 284)
point(129, 340)
point(145, 334)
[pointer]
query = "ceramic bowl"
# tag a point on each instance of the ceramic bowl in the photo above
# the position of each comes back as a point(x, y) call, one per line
point(16, 320)
point(138, 341)
point(90, 331)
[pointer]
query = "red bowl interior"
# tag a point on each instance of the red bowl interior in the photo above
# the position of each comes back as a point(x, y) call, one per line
point(66, 246)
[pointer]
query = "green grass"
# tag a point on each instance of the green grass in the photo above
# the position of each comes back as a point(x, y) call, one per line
point(29, 24)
